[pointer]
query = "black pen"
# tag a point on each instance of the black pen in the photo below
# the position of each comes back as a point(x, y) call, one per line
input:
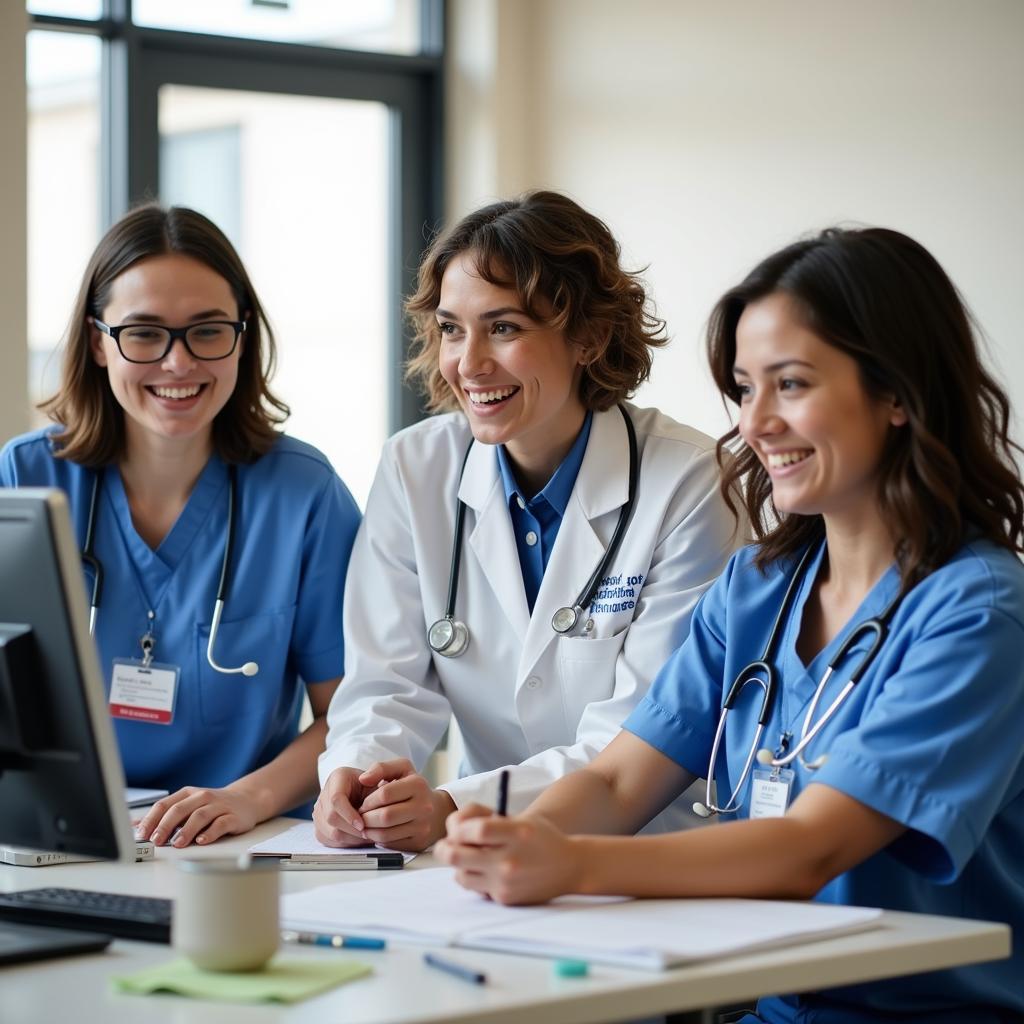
point(502, 807)
point(465, 973)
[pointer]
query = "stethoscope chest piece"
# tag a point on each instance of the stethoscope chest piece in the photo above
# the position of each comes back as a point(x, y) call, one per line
point(448, 637)
point(564, 620)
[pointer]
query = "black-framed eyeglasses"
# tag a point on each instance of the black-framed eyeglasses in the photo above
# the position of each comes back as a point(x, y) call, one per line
point(151, 343)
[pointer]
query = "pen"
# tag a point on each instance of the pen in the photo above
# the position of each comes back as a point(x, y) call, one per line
point(502, 807)
point(353, 862)
point(334, 941)
point(465, 973)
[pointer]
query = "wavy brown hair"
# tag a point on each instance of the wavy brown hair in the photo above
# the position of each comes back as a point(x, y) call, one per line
point(563, 264)
point(883, 299)
point(92, 420)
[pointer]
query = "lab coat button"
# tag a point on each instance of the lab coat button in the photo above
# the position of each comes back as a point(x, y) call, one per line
point(531, 538)
point(533, 682)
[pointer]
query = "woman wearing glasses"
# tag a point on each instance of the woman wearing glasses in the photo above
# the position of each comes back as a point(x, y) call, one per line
point(196, 516)
point(874, 443)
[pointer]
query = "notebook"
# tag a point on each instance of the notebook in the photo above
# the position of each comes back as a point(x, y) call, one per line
point(430, 907)
point(137, 797)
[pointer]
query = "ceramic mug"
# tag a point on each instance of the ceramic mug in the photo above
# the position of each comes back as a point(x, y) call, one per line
point(226, 913)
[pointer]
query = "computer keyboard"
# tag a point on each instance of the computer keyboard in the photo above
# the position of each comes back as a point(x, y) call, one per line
point(125, 917)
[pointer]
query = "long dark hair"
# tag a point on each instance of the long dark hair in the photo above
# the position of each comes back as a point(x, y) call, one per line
point(85, 407)
point(551, 252)
point(883, 299)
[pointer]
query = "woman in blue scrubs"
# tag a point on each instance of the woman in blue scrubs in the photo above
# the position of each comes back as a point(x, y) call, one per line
point(164, 417)
point(871, 439)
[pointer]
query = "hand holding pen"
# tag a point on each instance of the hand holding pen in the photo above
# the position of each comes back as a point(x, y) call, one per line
point(512, 860)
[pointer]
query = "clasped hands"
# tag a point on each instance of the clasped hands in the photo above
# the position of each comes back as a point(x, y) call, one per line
point(389, 803)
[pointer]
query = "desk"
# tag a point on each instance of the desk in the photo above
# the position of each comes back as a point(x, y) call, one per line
point(403, 991)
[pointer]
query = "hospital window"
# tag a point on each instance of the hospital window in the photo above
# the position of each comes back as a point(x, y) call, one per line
point(310, 132)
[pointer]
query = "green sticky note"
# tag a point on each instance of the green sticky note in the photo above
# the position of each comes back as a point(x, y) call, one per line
point(281, 981)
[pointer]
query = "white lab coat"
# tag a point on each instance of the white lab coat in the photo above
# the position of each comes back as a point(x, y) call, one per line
point(523, 696)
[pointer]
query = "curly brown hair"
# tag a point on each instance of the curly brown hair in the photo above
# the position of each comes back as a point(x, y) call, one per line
point(85, 407)
point(563, 264)
point(883, 299)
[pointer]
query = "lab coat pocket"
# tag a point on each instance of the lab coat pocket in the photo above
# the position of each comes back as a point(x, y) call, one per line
point(588, 673)
point(264, 639)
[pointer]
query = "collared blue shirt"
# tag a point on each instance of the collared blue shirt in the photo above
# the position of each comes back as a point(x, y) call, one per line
point(296, 523)
point(535, 522)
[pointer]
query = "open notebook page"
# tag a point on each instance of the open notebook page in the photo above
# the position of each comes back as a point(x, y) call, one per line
point(656, 934)
point(429, 906)
point(418, 906)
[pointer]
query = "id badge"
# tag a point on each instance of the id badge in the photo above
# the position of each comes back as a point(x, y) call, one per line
point(770, 789)
point(143, 693)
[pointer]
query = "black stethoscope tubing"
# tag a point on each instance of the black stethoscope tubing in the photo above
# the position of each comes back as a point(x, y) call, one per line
point(90, 559)
point(450, 637)
point(749, 672)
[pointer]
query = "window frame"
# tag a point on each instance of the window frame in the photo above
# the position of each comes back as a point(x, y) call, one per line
point(138, 60)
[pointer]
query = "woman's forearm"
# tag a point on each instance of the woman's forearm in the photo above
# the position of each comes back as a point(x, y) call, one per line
point(581, 802)
point(291, 778)
point(824, 834)
point(624, 787)
point(762, 858)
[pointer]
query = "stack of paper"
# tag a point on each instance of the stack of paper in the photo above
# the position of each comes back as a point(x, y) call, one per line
point(429, 906)
point(136, 797)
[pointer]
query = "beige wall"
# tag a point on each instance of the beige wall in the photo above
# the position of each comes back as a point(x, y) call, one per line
point(13, 327)
point(707, 134)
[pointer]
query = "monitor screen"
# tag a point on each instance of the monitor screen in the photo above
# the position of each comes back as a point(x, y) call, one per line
point(61, 781)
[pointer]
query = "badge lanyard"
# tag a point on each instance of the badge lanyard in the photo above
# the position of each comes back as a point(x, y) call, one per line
point(141, 689)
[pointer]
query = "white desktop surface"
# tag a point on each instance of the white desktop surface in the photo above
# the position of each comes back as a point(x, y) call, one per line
point(404, 991)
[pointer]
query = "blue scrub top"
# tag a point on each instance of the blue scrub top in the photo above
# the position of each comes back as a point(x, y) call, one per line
point(295, 526)
point(536, 522)
point(932, 735)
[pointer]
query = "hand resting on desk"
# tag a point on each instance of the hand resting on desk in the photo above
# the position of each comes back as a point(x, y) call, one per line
point(195, 814)
point(390, 803)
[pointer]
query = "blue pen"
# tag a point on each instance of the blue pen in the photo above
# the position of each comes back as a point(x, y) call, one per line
point(334, 941)
point(465, 973)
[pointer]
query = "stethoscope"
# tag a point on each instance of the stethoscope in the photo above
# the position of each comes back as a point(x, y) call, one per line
point(762, 672)
point(250, 668)
point(449, 636)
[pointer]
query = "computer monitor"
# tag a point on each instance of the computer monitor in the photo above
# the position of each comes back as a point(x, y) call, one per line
point(61, 780)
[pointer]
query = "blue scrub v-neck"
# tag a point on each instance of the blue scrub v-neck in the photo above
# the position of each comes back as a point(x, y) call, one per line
point(156, 568)
point(799, 681)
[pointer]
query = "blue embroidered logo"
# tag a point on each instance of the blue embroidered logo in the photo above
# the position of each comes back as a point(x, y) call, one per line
point(616, 594)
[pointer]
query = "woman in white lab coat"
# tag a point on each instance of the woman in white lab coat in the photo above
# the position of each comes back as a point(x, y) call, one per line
point(532, 334)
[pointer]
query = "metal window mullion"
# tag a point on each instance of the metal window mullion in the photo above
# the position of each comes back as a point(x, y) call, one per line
point(433, 17)
point(115, 71)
